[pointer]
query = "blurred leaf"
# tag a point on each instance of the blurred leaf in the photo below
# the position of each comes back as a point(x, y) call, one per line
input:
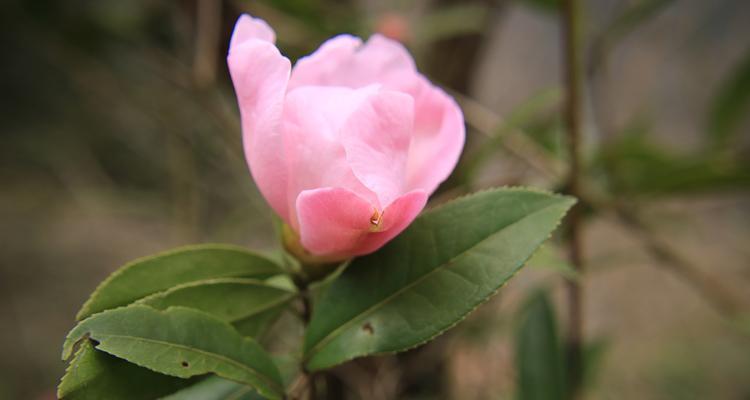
point(154, 274)
point(731, 105)
point(543, 5)
point(248, 304)
point(180, 342)
point(449, 21)
point(593, 356)
point(215, 388)
point(549, 257)
point(636, 167)
point(96, 375)
point(539, 356)
point(450, 260)
point(634, 14)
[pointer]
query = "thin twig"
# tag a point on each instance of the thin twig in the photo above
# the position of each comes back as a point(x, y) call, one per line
point(208, 29)
point(516, 142)
point(572, 116)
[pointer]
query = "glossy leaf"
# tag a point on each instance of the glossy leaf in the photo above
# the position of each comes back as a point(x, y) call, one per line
point(248, 304)
point(450, 260)
point(95, 375)
point(181, 342)
point(154, 274)
point(539, 357)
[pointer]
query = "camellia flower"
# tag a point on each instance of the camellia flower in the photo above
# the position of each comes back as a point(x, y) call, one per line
point(347, 145)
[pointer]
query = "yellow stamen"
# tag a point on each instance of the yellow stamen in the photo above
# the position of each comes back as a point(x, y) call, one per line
point(376, 219)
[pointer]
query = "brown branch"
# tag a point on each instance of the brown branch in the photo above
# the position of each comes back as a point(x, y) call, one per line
point(572, 111)
point(208, 29)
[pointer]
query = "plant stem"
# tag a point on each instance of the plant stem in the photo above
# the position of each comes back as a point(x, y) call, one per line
point(571, 35)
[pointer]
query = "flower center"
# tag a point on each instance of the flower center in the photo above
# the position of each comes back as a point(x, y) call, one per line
point(376, 219)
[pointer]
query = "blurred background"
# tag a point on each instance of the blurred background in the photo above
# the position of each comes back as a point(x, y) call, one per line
point(120, 138)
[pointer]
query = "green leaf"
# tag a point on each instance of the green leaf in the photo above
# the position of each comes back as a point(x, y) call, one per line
point(154, 274)
point(450, 260)
point(249, 304)
point(539, 356)
point(180, 342)
point(95, 375)
point(215, 388)
point(731, 104)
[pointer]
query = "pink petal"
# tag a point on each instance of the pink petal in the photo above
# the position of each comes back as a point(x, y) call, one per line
point(313, 119)
point(345, 61)
point(439, 135)
point(336, 222)
point(247, 28)
point(376, 138)
point(325, 64)
point(260, 75)
point(439, 131)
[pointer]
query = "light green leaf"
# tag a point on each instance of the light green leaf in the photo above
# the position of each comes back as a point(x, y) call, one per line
point(95, 375)
point(450, 260)
point(249, 304)
point(180, 342)
point(539, 357)
point(154, 274)
point(215, 388)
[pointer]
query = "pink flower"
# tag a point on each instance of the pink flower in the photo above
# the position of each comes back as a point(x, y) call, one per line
point(347, 145)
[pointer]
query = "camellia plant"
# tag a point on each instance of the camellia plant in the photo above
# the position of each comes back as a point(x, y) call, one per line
point(346, 147)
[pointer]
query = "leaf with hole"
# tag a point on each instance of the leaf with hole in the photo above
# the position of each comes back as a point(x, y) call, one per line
point(154, 274)
point(180, 342)
point(449, 261)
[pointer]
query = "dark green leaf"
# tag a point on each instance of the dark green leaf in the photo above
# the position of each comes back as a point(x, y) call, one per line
point(539, 357)
point(180, 342)
point(731, 105)
point(444, 265)
point(95, 375)
point(249, 304)
point(154, 274)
